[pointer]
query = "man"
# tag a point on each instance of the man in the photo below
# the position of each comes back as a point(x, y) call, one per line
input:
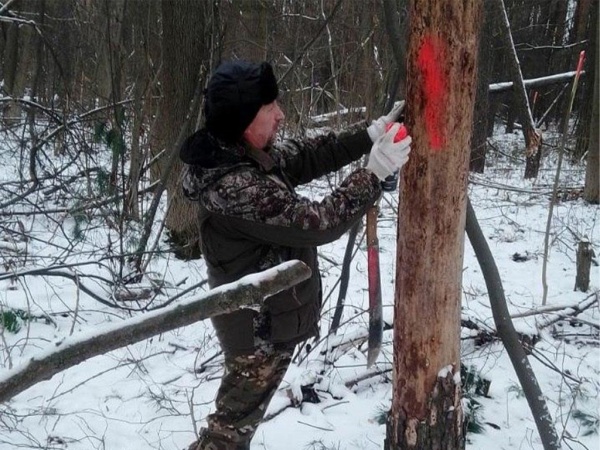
point(251, 219)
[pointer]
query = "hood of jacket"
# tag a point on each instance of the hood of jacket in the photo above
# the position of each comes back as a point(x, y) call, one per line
point(207, 159)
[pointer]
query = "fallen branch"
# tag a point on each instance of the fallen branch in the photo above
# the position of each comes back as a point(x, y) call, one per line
point(315, 426)
point(534, 82)
point(338, 345)
point(578, 307)
point(589, 323)
point(473, 179)
point(374, 371)
point(250, 291)
point(574, 311)
point(483, 336)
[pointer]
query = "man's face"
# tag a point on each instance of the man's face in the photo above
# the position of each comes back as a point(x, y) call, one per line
point(263, 129)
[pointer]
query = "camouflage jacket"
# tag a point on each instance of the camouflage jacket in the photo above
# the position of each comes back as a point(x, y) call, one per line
point(252, 219)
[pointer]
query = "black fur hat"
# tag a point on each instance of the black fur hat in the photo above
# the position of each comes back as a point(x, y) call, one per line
point(235, 93)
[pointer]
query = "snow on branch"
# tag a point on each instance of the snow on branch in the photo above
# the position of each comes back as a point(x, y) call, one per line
point(248, 292)
point(492, 88)
point(534, 82)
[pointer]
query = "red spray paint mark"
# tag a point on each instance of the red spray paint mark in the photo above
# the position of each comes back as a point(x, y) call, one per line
point(431, 61)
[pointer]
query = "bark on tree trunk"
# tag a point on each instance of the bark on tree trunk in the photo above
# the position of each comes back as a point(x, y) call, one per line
point(397, 36)
point(131, 205)
point(142, 87)
point(254, 28)
point(11, 56)
point(426, 408)
point(588, 96)
point(115, 12)
point(183, 56)
point(39, 52)
point(482, 99)
point(591, 192)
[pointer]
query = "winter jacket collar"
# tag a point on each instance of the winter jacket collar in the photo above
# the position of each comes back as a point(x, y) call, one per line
point(204, 150)
point(208, 159)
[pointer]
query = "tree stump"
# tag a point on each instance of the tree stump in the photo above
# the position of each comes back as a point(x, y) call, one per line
point(585, 253)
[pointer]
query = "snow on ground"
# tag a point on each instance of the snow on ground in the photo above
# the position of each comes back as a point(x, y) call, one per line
point(155, 394)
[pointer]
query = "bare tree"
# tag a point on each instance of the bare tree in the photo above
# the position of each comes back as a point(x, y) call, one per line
point(13, 37)
point(481, 118)
point(183, 55)
point(143, 78)
point(592, 183)
point(585, 30)
point(533, 137)
point(426, 403)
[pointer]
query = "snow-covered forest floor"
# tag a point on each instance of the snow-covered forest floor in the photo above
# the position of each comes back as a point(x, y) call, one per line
point(155, 394)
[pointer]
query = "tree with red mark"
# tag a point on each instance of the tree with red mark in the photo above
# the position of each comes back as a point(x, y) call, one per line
point(441, 82)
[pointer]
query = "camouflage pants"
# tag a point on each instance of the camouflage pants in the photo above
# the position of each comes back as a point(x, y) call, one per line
point(247, 387)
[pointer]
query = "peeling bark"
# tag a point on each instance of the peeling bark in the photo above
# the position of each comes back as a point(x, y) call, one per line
point(443, 427)
point(442, 63)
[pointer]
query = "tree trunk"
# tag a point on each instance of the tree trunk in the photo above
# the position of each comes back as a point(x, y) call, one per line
point(426, 405)
point(592, 183)
point(39, 53)
point(398, 37)
point(143, 16)
point(183, 55)
point(11, 58)
point(482, 99)
point(114, 14)
point(585, 253)
point(587, 101)
point(253, 30)
point(553, 57)
point(27, 40)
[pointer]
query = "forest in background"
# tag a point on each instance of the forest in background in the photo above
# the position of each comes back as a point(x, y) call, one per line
point(100, 94)
point(129, 70)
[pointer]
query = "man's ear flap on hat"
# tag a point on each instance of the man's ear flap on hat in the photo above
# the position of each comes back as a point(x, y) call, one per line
point(268, 84)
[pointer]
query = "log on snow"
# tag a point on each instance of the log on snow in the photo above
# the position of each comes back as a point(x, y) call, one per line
point(248, 292)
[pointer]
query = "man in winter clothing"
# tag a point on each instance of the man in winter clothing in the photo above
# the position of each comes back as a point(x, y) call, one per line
point(251, 219)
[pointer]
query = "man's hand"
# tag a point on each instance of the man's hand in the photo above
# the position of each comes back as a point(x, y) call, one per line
point(378, 127)
point(388, 156)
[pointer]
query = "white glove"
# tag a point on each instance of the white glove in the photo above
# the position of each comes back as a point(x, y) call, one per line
point(386, 156)
point(377, 127)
